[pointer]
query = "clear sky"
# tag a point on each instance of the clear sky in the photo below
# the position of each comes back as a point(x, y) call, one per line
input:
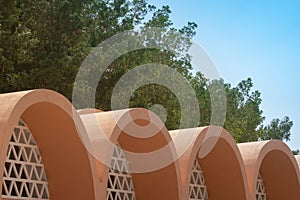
point(257, 39)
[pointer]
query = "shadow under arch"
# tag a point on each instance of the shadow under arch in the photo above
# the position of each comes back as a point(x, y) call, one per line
point(222, 164)
point(51, 120)
point(278, 168)
point(147, 146)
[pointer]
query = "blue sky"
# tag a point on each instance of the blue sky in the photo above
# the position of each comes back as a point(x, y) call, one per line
point(257, 39)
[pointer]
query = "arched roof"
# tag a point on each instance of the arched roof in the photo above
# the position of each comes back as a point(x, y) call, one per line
point(219, 158)
point(274, 161)
point(54, 124)
point(147, 145)
point(297, 157)
point(160, 161)
point(88, 111)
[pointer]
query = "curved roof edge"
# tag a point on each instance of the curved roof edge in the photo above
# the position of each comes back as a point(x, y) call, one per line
point(55, 125)
point(275, 162)
point(147, 146)
point(219, 158)
point(88, 111)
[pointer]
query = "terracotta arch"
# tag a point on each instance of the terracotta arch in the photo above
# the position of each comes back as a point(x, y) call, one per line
point(274, 161)
point(88, 111)
point(219, 158)
point(54, 124)
point(142, 149)
point(298, 160)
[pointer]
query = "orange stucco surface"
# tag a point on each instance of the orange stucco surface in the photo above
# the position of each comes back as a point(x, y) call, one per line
point(77, 147)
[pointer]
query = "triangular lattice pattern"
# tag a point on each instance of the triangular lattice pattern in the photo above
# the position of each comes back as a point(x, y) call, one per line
point(120, 185)
point(260, 189)
point(24, 175)
point(197, 183)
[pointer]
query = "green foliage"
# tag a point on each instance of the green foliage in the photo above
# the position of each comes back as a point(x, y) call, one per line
point(244, 118)
point(43, 43)
point(296, 152)
point(243, 111)
point(278, 129)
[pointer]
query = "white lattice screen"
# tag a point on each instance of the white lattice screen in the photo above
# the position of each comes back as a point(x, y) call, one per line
point(197, 183)
point(24, 175)
point(120, 185)
point(260, 189)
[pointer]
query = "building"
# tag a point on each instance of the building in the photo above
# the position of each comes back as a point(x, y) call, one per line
point(51, 151)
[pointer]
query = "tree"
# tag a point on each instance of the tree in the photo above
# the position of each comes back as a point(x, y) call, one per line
point(39, 39)
point(278, 129)
point(244, 118)
point(43, 43)
point(244, 115)
point(51, 39)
